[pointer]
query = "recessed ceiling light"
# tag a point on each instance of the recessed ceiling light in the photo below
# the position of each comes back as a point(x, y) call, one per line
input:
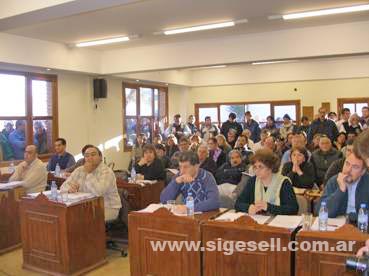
point(200, 28)
point(48, 69)
point(103, 41)
point(272, 62)
point(326, 12)
point(137, 80)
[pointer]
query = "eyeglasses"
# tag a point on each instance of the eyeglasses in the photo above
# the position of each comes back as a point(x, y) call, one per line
point(260, 167)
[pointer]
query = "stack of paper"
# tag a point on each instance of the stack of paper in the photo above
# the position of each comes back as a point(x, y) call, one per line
point(11, 185)
point(230, 216)
point(333, 223)
point(173, 171)
point(151, 208)
point(290, 222)
point(260, 218)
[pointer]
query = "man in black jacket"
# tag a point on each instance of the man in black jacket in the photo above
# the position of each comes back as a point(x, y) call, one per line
point(231, 123)
point(322, 126)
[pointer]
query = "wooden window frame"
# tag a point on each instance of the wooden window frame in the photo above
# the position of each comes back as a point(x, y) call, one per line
point(29, 118)
point(138, 117)
point(342, 101)
point(297, 103)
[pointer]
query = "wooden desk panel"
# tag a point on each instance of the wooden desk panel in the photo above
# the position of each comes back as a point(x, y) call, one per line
point(58, 180)
point(61, 240)
point(140, 197)
point(245, 262)
point(10, 234)
point(316, 263)
point(164, 226)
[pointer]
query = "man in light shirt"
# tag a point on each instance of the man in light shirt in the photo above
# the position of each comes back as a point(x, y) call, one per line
point(96, 178)
point(31, 171)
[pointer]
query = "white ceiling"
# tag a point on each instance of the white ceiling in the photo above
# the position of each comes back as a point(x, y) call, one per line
point(144, 18)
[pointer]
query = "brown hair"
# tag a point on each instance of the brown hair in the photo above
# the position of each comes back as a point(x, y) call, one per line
point(149, 147)
point(268, 158)
point(361, 145)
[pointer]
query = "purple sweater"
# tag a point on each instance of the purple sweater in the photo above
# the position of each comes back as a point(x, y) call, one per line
point(204, 191)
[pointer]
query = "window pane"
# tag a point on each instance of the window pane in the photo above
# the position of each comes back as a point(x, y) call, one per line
point(42, 98)
point(281, 110)
point(259, 112)
point(43, 136)
point(131, 131)
point(12, 95)
point(12, 142)
point(359, 106)
point(156, 102)
point(146, 128)
point(350, 106)
point(146, 101)
point(208, 111)
point(226, 109)
point(162, 104)
point(131, 99)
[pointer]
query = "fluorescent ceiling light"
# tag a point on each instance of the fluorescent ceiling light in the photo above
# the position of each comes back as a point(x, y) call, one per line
point(272, 62)
point(326, 12)
point(200, 28)
point(209, 67)
point(103, 41)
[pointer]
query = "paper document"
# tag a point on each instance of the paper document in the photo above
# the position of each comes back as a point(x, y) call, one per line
point(333, 223)
point(290, 222)
point(173, 171)
point(260, 218)
point(11, 185)
point(151, 208)
point(230, 216)
point(299, 191)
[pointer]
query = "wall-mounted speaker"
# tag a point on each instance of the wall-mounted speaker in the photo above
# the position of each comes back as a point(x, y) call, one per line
point(100, 89)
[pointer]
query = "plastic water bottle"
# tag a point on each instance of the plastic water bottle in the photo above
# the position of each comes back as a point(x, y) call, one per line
point(54, 191)
point(11, 168)
point(190, 204)
point(133, 173)
point(323, 217)
point(362, 218)
point(57, 170)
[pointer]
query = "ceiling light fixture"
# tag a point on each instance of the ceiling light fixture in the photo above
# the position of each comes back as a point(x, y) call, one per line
point(209, 67)
point(200, 28)
point(326, 12)
point(103, 41)
point(271, 62)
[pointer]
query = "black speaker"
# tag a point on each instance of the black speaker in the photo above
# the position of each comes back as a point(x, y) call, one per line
point(100, 89)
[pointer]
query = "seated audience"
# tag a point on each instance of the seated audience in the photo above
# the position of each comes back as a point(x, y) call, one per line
point(150, 166)
point(195, 141)
point(206, 162)
point(251, 125)
point(191, 178)
point(250, 143)
point(223, 144)
point(300, 170)
point(160, 153)
point(216, 153)
point(209, 130)
point(323, 157)
point(171, 146)
point(32, 171)
point(298, 140)
point(352, 125)
point(314, 145)
point(231, 171)
point(61, 156)
point(322, 125)
point(232, 137)
point(346, 191)
point(241, 146)
point(268, 191)
point(340, 141)
point(157, 139)
point(184, 145)
point(96, 178)
point(259, 145)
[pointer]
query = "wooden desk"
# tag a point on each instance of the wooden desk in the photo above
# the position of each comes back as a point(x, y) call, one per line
point(58, 180)
point(245, 262)
point(164, 226)
point(315, 263)
point(4, 177)
point(10, 234)
point(61, 240)
point(139, 196)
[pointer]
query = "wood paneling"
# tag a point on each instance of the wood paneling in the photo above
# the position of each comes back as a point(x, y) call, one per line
point(308, 111)
point(327, 106)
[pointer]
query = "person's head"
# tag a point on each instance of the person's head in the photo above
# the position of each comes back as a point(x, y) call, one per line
point(354, 167)
point(141, 139)
point(191, 119)
point(269, 143)
point(30, 154)
point(289, 138)
point(184, 144)
point(232, 117)
point(202, 152)
point(235, 158)
point(316, 139)
point(172, 140)
point(9, 126)
point(322, 113)
point(60, 145)
point(365, 112)
point(85, 148)
point(265, 162)
point(270, 121)
point(231, 135)
point(351, 135)
point(341, 138)
point(298, 140)
point(332, 115)
point(188, 163)
point(345, 114)
point(361, 146)
point(305, 121)
point(349, 148)
point(286, 119)
point(354, 119)
point(177, 119)
point(39, 127)
point(157, 139)
point(325, 144)
point(93, 156)
point(264, 134)
point(248, 116)
point(149, 153)
point(208, 121)
point(300, 154)
point(221, 140)
point(242, 141)
point(20, 125)
point(247, 133)
point(160, 150)
point(212, 143)
point(195, 139)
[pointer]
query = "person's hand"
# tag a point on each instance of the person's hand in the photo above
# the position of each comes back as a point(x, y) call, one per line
point(142, 161)
point(74, 187)
point(252, 210)
point(140, 176)
point(180, 209)
point(341, 181)
point(184, 178)
point(261, 205)
point(88, 167)
point(363, 250)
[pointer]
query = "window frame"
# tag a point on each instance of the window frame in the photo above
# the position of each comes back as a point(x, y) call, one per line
point(297, 104)
point(154, 119)
point(29, 118)
point(342, 101)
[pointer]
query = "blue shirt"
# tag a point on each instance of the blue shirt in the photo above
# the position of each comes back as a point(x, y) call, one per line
point(351, 190)
point(18, 142)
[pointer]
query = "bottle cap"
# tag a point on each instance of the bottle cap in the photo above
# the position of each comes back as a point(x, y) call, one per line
point(324, 203)
point(362, 205)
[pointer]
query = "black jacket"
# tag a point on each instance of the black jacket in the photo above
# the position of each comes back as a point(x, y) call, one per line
point(306, 180)
point(209, 165)
point(229, 174)
point(226, 126)
point(155, 171)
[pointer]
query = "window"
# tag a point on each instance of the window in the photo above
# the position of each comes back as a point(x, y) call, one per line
point(28, 114)
point(354, 104)
point(145, 111)
point(259, 111)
